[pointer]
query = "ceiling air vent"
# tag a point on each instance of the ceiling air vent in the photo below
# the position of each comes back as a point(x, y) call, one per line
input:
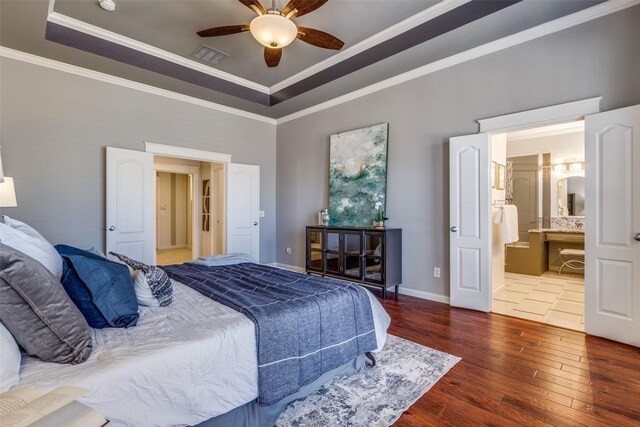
point(209, 55)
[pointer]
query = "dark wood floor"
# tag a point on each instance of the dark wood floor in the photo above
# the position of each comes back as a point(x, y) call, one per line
point(517, 372)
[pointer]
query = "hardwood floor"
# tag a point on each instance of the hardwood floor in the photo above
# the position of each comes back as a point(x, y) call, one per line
point(517, 372)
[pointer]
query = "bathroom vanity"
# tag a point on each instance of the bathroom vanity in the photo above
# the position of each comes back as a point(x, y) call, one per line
point(558, 239)
point(542, 252)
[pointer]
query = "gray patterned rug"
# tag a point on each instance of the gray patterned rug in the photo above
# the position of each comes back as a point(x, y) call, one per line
point(377, 396)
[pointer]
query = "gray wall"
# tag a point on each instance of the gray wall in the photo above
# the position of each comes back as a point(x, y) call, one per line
point(596, 58)
point(54, 128)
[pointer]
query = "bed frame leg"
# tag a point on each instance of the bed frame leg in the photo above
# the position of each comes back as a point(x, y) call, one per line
point(372, 359)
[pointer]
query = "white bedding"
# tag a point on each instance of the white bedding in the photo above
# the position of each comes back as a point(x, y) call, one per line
point(182, 364)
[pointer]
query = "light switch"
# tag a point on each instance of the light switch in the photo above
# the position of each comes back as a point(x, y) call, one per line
point(261, 214)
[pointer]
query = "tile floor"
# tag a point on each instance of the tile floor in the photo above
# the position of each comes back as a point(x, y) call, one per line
point(173, 256)
point(550, 298)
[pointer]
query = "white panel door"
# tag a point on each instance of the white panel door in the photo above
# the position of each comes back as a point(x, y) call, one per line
point(470, 213)
point(612, 225)
point(130, 202)
point(243, 205)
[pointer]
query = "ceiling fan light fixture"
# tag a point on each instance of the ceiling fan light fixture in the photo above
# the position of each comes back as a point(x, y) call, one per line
point(273, 30)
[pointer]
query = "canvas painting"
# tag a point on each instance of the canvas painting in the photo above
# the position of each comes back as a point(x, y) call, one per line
point(358, 176)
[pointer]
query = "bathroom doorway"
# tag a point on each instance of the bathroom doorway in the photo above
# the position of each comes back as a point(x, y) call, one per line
point(538, 255)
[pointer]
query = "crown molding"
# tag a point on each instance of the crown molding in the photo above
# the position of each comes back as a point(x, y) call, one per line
point(395, 30)
point(577, 18)
point(92, 30)
point(541, 116)
point(17, 55)
point(573, 127)
point(186, 153)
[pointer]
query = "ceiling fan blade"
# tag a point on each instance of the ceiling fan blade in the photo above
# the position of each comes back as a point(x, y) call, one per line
point(272, 56)
point(223, 31)
point(251, 3)
point(302, 6)
point(319, 38)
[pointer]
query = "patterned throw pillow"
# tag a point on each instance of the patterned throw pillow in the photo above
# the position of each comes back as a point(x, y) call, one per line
point(155, 279)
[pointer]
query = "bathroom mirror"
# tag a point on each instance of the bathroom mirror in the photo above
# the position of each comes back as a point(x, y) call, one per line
point(497, 176)
point(571, 196)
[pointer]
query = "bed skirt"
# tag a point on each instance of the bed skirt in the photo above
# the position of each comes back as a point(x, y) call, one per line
point(253, 415)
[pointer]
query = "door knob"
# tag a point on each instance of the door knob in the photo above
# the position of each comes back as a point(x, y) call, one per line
point(112, 228)
point(453, 229)
point(637, 236)
point(255, 223)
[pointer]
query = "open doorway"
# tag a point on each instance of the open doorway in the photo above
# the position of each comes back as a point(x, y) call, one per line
point(174, 217)
point(538, 197)
point(190, 209)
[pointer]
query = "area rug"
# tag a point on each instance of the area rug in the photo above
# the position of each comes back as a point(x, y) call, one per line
point(376, 396)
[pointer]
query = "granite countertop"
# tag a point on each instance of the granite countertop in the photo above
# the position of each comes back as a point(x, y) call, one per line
point(557, 230)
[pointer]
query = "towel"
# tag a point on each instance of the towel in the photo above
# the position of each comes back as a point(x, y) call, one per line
point(510, 223)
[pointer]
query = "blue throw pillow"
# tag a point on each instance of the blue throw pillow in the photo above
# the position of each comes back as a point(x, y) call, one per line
point(101, 289)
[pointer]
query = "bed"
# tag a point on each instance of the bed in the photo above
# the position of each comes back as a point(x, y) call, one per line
point(184, 364)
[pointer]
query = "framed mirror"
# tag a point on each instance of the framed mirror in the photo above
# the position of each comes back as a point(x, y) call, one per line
point(571, 196)
point(500, 177)
point(498, 173)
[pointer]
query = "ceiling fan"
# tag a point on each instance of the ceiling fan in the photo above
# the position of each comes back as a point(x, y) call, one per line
point(274, 29)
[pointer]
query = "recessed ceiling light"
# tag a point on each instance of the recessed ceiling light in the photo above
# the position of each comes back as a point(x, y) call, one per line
point(109, 5)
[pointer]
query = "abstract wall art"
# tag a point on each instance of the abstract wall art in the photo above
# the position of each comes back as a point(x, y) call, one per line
point(358, 175)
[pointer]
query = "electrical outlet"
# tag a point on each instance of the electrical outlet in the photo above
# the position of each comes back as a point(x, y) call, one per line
point(436, 271)
point(288, 251)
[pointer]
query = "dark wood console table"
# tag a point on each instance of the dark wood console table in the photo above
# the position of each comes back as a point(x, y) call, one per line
point(367, 256)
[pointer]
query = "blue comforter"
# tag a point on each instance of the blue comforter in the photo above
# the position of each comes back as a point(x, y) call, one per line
point(305, 325)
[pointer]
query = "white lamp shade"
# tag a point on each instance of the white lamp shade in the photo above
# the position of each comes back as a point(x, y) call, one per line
point(273, 31)
point(7, 193)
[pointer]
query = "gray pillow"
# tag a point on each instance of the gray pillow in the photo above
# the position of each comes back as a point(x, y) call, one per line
point(36, 309)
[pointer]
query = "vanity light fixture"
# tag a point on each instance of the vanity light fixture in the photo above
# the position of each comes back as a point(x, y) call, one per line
point(558, 167)
point(576, 167)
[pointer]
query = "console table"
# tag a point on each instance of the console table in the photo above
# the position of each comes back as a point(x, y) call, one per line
point(367, 256)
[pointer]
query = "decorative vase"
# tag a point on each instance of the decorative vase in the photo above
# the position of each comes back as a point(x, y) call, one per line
point(378, 224)
point(325, 217)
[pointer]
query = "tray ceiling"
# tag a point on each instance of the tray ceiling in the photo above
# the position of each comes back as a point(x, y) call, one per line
point(150, 42)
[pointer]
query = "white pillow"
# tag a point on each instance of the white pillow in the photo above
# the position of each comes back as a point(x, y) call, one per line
point(143, 291)
point(9, 360)
point(25, 239)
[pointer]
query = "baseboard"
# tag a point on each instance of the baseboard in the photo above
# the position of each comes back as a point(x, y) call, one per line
point(162, 248)
point(424, 295)
point(288, 267)
point(497, 290)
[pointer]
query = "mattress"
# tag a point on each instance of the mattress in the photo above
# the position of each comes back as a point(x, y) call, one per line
point(182, 364)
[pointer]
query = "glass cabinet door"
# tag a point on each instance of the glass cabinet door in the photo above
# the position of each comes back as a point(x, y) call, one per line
point(333, 252)
point(353, 255)
point(316, 262)
point(374, 257)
